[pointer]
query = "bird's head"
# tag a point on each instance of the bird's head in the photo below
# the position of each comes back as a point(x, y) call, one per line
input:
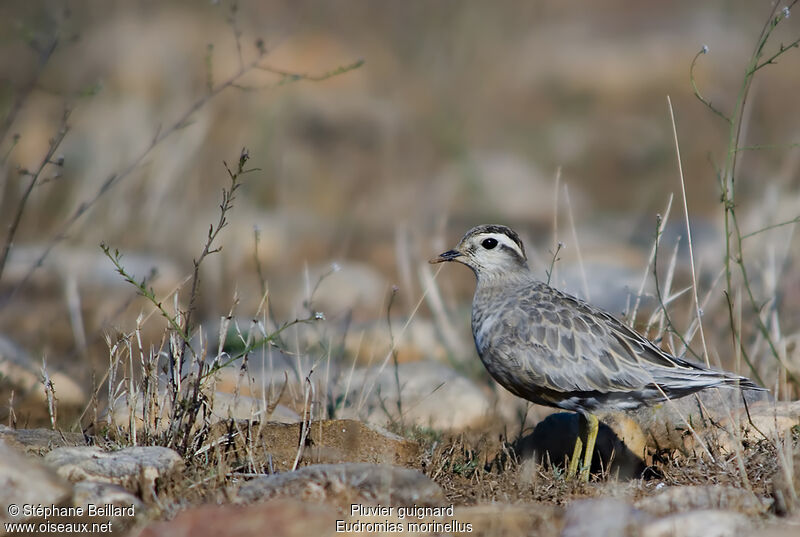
point(489, 250)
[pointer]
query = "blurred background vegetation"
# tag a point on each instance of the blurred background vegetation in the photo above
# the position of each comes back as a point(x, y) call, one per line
point(535, 114)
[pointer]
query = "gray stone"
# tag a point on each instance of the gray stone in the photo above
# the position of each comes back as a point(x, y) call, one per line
point(24, 480)
point(344, 484)
point(135, 468)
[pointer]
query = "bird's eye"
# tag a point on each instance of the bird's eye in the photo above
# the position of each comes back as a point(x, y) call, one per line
point(489, 243)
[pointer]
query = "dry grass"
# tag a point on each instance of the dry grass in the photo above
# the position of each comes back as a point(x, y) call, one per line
point(167, 365)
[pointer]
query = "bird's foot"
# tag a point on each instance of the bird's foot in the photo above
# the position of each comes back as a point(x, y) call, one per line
point(572, 469)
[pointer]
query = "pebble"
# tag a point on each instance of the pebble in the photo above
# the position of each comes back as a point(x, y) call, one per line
point(135, 468)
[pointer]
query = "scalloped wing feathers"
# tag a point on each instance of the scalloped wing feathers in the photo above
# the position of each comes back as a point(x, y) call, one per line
point(554, 349)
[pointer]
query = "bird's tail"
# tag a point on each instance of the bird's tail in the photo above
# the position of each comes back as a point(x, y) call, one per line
point(680, 383)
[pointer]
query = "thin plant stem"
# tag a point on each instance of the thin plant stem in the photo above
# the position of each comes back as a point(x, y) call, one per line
point(698, 311)
point(34, 180)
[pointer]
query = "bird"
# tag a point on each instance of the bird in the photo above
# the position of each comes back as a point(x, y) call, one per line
point(554, 349)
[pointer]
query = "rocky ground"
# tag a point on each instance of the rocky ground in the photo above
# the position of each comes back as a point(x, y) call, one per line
point(379, 418)
point(654, 474)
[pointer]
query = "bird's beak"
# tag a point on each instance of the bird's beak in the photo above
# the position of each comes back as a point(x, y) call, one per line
point(449, 255)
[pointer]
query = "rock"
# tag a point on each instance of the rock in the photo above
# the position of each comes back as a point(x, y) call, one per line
point(697, 497)
point(553, 440)
point(39, 441)
point(770, 419)
point(432, 395)
point(601, 517)
point(24, 480)
point(277, 518)
point(704, 523)
point(665, 424)
point(344, 484)
point(540, 519)
point(328, 441)
point(135, 468)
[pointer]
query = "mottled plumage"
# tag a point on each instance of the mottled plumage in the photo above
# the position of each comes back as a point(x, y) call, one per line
point(557, 350)
point(554, 349)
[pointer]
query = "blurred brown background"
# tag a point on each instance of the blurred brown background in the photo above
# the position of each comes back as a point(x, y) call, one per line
point(462, 113)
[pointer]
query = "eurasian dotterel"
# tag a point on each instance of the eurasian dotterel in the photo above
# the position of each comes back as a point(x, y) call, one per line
point(554, 349)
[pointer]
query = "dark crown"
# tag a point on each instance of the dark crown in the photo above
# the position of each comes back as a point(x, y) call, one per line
point(496, 228)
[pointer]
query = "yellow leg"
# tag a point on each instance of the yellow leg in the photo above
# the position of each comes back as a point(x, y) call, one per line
point(591, 437)
point(576, 457)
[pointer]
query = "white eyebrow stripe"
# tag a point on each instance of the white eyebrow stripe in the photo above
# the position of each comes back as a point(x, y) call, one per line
point(504, 240)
